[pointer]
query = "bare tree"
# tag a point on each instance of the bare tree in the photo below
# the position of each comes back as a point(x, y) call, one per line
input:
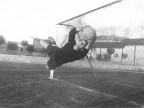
point(126, 32)
point(2, 40)
point(142, 31)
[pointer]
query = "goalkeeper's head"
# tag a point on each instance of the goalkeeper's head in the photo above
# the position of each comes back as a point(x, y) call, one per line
point(89, 34)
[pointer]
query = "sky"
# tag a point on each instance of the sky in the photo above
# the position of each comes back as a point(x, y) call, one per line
point(22, 19)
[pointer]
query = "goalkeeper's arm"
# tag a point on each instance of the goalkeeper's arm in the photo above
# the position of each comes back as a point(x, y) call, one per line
point(44, 44)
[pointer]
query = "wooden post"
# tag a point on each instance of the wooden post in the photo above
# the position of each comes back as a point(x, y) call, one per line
point(121, 55)
point(134, 54)
point(100, 50)
point(100, 54)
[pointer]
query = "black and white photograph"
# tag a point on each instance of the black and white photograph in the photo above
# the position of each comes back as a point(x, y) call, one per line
point(71, 53)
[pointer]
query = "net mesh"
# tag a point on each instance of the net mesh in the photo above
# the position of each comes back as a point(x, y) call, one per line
point(120, 21)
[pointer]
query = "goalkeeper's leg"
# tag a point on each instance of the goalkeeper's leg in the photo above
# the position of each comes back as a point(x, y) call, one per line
point(51, 74)
point(51, 71)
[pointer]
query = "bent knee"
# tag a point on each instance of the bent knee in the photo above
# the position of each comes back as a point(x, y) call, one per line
point(47, 67)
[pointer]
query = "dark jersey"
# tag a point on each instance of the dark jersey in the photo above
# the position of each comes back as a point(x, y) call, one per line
point(67, 53)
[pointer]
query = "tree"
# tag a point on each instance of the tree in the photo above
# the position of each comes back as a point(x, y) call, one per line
point(106, 57)
point(116, 56)
point(11, 46)
point(2, 40)
point(24, 43)
point(141, 31)
point(30, 48)
point(124, 55)
point(110, 51)
point(99, 57)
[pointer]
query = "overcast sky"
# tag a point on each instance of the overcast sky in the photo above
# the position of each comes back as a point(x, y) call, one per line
point(20, 19)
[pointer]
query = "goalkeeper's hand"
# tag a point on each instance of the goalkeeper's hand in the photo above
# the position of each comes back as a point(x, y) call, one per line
point(51, 40)
point(78, 29)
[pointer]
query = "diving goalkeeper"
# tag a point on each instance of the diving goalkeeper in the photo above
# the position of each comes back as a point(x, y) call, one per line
point(72, 50)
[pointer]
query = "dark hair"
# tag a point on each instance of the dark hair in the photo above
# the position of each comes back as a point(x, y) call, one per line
point(84, 40)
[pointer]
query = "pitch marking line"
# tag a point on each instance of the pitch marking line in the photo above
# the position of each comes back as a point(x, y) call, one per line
point(118, 70)
point(122, 84)
point(86, 89)
point(83, 88)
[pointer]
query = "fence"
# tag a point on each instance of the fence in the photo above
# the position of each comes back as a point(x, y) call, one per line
point(128, 54)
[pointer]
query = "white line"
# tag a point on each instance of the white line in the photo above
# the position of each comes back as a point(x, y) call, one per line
point(122, 84)
point(95, 91)
point(83, 88)
point(118, 70)
point(87, 89)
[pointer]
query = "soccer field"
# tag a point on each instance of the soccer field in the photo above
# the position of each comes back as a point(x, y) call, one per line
point(25, 85)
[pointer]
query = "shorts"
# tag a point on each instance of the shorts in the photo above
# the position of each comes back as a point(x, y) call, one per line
point(51, 51)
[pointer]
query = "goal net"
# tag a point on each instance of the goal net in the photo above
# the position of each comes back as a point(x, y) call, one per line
point(113, 22)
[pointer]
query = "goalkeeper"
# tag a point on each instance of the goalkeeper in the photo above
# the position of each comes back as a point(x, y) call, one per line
point(71, 51)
